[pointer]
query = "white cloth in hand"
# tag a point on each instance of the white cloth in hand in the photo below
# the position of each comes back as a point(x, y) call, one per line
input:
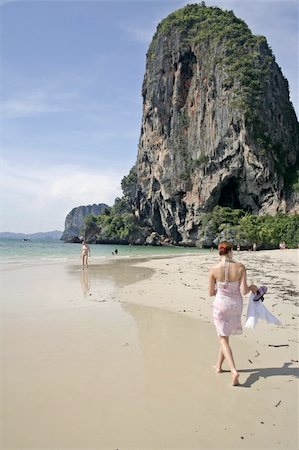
point(257, 310)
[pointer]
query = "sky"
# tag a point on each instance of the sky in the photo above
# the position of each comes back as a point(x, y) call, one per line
point(71, 74)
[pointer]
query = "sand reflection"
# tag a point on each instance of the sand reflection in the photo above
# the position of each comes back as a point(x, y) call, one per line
point(85, 283)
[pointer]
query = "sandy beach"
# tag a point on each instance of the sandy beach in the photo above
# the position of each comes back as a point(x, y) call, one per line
point(120, 356)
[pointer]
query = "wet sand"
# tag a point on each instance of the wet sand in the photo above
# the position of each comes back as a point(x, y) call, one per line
point(120, 357)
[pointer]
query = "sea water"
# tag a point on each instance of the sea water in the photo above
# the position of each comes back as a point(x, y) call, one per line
point(17, 251)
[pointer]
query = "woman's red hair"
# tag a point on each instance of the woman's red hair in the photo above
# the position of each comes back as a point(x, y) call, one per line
point(224, 247)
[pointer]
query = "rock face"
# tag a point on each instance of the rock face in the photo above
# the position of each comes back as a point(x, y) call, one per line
point(218, 127)
point(75, 220)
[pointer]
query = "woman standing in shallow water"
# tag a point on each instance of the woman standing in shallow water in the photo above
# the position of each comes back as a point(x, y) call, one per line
point(85, 252)
point(227, 280)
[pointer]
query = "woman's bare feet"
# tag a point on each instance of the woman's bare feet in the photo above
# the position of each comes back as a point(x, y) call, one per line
point(235, 379)
point(217, 369)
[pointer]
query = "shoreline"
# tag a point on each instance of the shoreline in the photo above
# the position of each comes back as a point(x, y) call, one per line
point(120, 356)
point(76, 259)
point(257, 275)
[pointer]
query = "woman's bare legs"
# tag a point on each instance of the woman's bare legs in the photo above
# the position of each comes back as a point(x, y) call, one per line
point(221, 358)
point(84, 261)
point(227, 354)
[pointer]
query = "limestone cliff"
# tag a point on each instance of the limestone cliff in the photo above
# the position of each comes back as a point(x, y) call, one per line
point(218, 127)
point(74, 221)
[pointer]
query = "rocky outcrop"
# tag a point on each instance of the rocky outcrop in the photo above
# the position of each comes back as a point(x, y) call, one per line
point(218, 127)
point(118, 225)
point(74, 221)
point(100, 236)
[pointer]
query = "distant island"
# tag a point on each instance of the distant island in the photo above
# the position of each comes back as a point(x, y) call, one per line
point(32, 236)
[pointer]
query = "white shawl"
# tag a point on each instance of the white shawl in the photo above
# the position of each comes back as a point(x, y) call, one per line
point(256, 311)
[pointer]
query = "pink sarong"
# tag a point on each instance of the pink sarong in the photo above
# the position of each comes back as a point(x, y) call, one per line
point(228, 306)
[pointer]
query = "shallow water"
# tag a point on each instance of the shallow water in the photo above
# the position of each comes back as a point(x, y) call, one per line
point(15, 251)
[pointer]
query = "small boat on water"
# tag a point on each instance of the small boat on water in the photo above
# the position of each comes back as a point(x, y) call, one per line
point(26, 240)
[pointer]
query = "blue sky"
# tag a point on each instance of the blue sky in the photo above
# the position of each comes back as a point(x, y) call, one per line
point(71, 106)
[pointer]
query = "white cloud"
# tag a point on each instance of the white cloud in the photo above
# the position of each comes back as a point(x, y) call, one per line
point(84, 188)
point(36, 102)
point(38, 198)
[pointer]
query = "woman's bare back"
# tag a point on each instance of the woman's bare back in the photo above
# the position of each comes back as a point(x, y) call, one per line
point(235, 271)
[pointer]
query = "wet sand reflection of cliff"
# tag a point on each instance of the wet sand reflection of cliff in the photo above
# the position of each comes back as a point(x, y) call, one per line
point(120, 272)
point(100, 282)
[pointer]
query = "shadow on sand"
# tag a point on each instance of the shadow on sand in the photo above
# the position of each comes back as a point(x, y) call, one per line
point(269, 372)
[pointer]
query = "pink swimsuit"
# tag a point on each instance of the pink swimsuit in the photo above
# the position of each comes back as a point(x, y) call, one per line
point(227, 306)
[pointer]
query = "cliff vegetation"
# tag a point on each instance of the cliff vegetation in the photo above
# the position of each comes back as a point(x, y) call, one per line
point(117, 225)
point(243, 228)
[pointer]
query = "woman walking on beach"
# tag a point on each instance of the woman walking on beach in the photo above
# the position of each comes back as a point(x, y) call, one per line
point(85, 252)
point(227, 280)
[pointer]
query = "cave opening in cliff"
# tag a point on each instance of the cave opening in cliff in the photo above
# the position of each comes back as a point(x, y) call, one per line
point(157, 221)
point(229, 195)
point(188, 61)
